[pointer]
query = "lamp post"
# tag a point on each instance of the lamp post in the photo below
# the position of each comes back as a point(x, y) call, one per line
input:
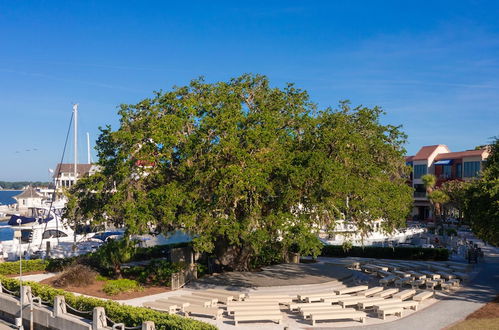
point(18, 234)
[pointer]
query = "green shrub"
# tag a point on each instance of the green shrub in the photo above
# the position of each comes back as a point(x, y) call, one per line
point(157, 272)
point(410, 253)
point(59, 264)
point(451, 232)
point(131, 316)
point(12, 267)
point(156, 252)
point(101, 278)
point(114, 287)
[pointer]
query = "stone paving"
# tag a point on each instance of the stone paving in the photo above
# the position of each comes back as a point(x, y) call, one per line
point(435, 313)
point(277, 275)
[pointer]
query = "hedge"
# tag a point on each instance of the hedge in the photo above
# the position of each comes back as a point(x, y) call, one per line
point(409, 253)
point(12, 267)
point(131, 316)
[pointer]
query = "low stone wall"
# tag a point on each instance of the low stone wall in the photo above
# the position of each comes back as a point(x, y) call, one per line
point(45, 318)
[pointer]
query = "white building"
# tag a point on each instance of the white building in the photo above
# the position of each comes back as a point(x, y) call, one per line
point(64, 174)
point(29, 198)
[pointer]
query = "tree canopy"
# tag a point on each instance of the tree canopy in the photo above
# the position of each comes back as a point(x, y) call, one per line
point(481, 205)
point(245, 168)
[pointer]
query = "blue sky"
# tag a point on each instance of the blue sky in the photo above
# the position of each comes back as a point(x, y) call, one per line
point(432, 65)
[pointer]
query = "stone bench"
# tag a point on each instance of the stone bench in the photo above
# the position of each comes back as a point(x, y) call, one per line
point(243, 308)
point(423, 295)
point(417, 283)
point(370, 292)
point(338, 315)
point(307, 297)
point(293, 306)
point(355, 302)
point(386, 302)
point(223, 298)
point(190, 300)
point(353, 289)
point(405, 294)
point(275, 317)
point(403, 304)
point(397, 311)
point(386, 293)
point(162, 306)
point(252, 303)
point(204, 311)
point(370, 303)
point(306, 311)
point(262, 299)
point(239, 295)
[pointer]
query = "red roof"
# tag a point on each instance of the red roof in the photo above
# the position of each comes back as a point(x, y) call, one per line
point(460, 154)
point(409, 158)
point(426, 151)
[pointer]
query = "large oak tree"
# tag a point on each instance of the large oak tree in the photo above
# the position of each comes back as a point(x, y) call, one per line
point(245, 168)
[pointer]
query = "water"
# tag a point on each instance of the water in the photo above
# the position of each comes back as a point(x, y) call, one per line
point(6, 196)
point(6, 199)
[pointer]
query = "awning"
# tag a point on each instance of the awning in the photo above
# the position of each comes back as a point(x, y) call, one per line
point(444, 162)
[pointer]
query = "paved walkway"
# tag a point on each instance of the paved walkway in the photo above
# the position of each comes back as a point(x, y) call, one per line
point(452, 309)
point(277, 275)
point(37, 277)
point(4, 325)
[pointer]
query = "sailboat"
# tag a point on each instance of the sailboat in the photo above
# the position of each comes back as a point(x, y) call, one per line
point(44, 230)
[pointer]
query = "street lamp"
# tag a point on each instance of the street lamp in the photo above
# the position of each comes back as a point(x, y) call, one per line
point(18, 234)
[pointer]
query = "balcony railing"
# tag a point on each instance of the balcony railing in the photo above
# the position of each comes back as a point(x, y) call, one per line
point(420, 194)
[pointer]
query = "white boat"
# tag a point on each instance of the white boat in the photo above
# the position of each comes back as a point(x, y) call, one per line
point(345, 231)
point(43, 228)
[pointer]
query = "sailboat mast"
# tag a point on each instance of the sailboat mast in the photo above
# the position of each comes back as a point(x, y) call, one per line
point(89, 159)
point(75, 115)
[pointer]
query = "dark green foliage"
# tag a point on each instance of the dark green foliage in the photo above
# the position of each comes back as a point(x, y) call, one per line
point(157, 272)
point(110, 256)
point(59, 264)
point(157, 251)
point(129, 315)
point(406, 253)
point(481, 207)
point(12, 267)
point(242, 166)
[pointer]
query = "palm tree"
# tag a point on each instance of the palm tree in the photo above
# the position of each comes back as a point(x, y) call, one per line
point(437, 197)
point(429, 182)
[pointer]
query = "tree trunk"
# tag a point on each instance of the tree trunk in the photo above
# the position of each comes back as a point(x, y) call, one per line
point(232, 258)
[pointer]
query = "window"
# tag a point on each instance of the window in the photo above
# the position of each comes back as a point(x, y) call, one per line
point(26, 235)
point(419, 171)
point(53, 234)
point(447, 171)
point(419, 190)
point(459, 170)
point(471, 169)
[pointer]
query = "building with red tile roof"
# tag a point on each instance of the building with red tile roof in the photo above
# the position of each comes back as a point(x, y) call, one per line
point(445, 165)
